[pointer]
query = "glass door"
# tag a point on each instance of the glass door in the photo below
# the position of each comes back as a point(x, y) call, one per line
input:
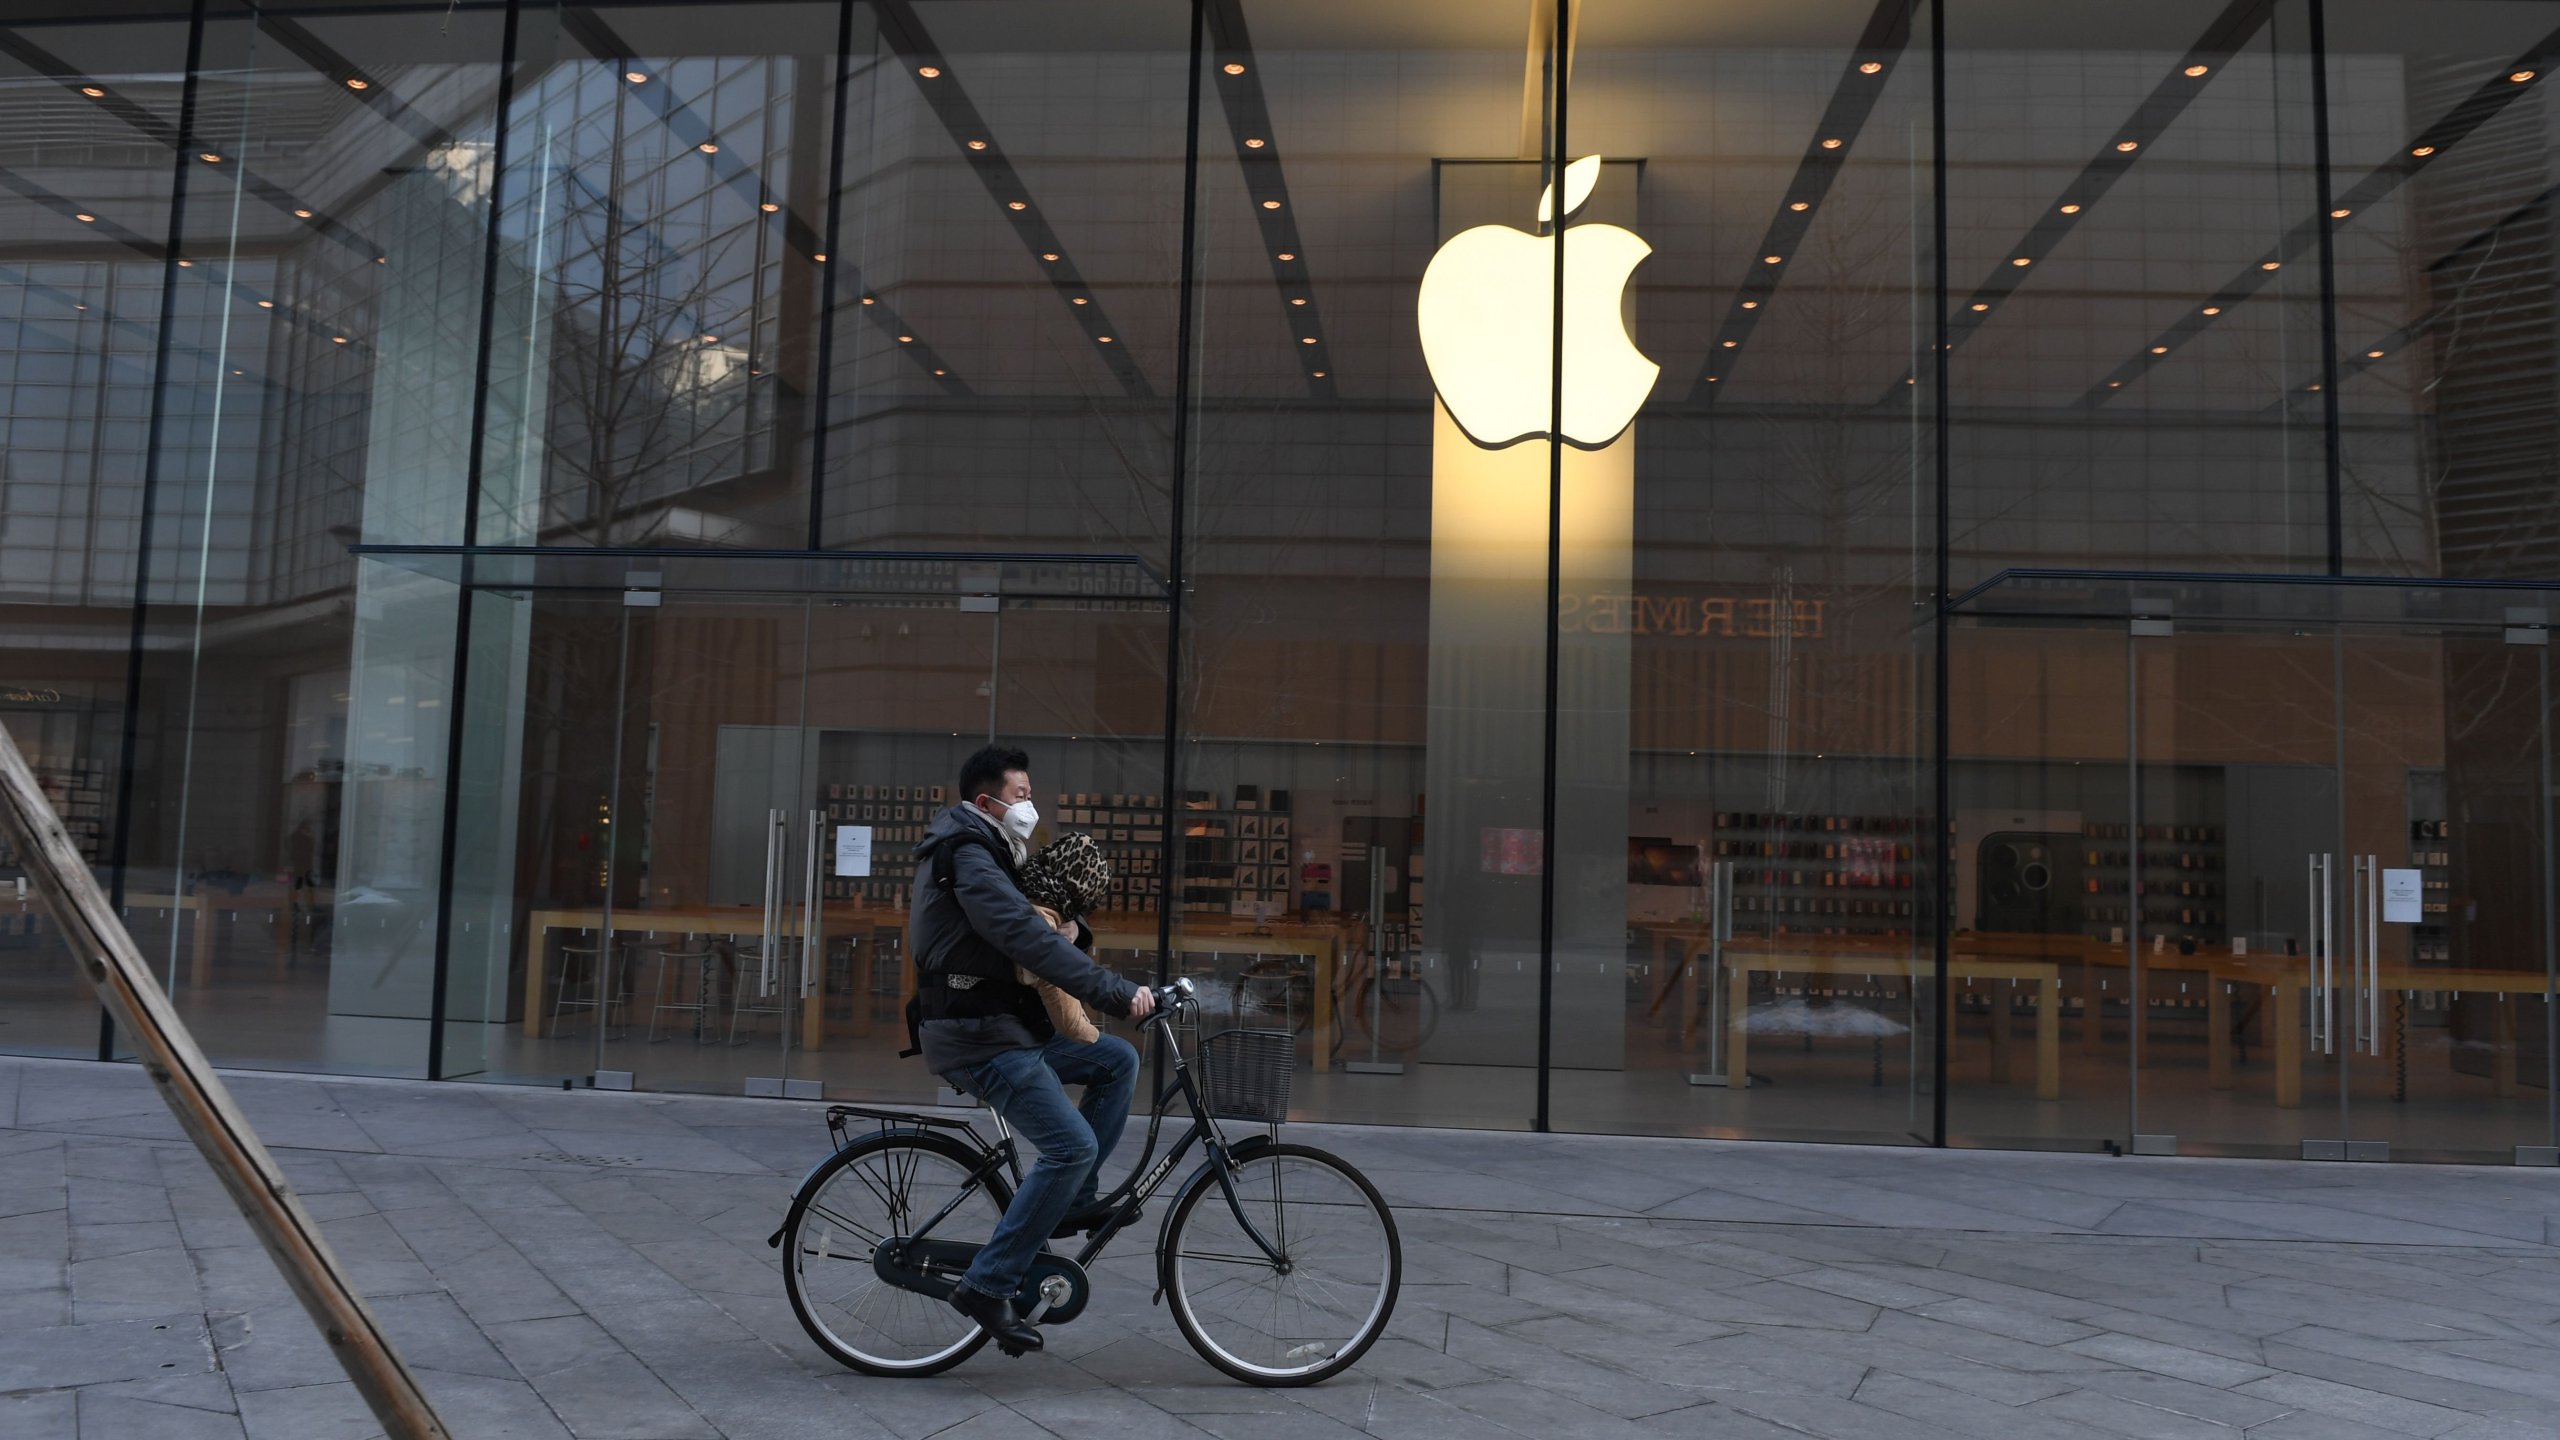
point(2445, 917)
point(720, 949)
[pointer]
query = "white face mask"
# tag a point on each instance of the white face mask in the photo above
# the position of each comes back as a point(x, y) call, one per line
point(1020, 819)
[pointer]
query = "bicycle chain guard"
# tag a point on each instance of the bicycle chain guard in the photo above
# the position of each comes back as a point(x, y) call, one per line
point(934, 1267)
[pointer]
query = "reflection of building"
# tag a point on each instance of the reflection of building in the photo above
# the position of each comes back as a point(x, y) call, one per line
point(606, 350)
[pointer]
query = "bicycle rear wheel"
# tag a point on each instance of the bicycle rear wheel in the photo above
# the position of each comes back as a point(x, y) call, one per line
point(857, 1198)
point(1292, 1323)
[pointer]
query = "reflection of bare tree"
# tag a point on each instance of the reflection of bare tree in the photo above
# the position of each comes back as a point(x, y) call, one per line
point(652, 371)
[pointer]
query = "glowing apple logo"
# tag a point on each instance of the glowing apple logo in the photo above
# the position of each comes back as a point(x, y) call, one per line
point(1488, 326)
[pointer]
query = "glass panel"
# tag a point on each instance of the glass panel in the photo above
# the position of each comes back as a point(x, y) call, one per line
point(2441, 175)
point(319, 390)
point(89, 113)
point(666, 217)
point(1363, 649)
point(1741, 682)
point(2134, 302)
point(2038, 823)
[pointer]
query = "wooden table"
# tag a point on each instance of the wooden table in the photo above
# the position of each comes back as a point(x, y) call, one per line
point(1742, 961)
point(697, 922)
point(205, 907)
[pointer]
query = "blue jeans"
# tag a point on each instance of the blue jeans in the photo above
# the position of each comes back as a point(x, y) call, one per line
point(1028, 1088)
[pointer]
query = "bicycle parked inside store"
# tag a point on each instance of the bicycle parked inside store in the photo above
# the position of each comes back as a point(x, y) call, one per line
point(1280, 1262)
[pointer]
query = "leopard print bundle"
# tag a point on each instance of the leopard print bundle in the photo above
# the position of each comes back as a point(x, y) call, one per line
point(1071, 877)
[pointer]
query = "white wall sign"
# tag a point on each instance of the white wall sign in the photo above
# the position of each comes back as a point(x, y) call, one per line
point(853, 850)
point(2402, 903)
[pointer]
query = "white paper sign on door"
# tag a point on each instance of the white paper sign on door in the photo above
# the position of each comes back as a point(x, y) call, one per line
point(2402, 900)
point(853, 850)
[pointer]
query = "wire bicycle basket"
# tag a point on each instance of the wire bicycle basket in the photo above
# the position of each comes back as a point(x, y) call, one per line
point(1244, 1074)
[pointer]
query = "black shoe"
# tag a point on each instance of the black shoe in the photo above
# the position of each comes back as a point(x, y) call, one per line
point(1092, 1218)
point(1012, 1334)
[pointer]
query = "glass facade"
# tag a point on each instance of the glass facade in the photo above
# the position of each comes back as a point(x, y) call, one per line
point(1918, 572)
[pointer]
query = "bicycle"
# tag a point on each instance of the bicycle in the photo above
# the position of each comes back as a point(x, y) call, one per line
point(1389, 1000)
point(1281, 1261)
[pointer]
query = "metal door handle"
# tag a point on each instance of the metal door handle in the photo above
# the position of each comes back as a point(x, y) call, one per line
point(812, 906)
point(2373, 952)
point(2322, 938)
point(772, 901)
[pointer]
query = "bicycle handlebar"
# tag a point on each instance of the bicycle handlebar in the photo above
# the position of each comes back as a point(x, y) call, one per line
point(1169, 998)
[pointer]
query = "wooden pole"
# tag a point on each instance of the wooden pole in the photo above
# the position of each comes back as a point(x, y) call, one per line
point(108, 956)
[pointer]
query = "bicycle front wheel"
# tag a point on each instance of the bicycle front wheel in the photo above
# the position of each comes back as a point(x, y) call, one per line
point(858, 1198)
point(1313, 1313)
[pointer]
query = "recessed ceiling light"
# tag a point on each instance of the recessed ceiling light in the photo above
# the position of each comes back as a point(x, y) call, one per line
point(977, 144)
point(2521, 76)
point(2373, 354)
point(2271, 265)
point(84, 217)
point(1831, 142)
point(768, 207)
point(1049, 255)
point(93, 92)
point(2423, 151)
point(209, 157)
point(635, 77)
point(1286, 255)
point(186, 264)
point(941, 372)
point(2070, 209)
point(1317, 373)
point(708, 148)
point(1750, 304)
point(1105, 339)
point(1729, 344)
point(2313, 388)
point(1233, 67)
point(1771, 259)
point(1306, 339)
point(2159, 349)
point(2023, 261)
point(2115, 384)
point(1799, 205)
point(1980, 305)
point(358, 82)
point(1017, 204)
point(1870, 67)
point(1298, 300)
point(906, 339)
point(80, 305)
point(821, 259)
point(1255, 143)
point(2213, 310)
point(868, 300)
point(2340, 213)
point(1079, 300)
point(2127, 147)
point(266, 304)
point(2194, 71)
point(337, 339)
point(1270, 204)
point(930, 72)
point(300, 214)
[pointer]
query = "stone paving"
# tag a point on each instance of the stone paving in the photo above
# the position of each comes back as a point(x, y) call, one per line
point(585, 1264)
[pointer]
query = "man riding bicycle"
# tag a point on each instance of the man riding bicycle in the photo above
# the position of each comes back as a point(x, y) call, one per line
point(987, 1034)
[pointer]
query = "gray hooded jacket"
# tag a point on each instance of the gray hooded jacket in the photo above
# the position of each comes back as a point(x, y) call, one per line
point(984, 907)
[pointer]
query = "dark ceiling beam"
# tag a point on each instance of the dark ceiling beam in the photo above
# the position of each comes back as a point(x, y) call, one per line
point(1236, 72)
point(1853, 100)
point(2428, 146)
point(976, 141)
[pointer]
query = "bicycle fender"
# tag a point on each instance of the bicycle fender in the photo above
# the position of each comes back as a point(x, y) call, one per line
point(1241, 1150)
